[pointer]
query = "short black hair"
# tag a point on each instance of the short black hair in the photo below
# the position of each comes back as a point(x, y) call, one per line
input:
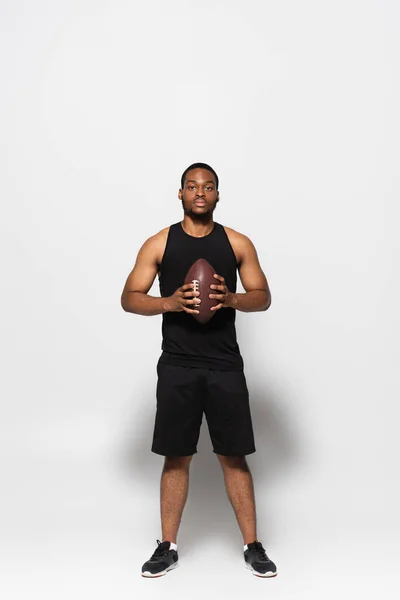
point(199, 165)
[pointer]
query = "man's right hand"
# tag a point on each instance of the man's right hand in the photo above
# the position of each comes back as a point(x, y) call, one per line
point(183, 299)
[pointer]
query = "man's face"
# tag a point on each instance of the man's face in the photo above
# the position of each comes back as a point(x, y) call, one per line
point(199, 194)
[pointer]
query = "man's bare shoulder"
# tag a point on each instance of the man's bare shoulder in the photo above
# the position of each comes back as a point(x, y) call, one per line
point(238, 240)
point(240, 243)
point(160, 236)
point(156, 243)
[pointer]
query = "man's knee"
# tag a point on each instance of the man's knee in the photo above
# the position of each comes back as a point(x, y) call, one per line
point(177, 462)
point(233, 462)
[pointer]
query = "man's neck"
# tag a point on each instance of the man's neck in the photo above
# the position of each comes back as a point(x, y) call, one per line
point(197, 227)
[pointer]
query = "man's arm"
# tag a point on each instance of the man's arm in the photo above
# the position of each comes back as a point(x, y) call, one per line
point(257, 296)
point(134, 297)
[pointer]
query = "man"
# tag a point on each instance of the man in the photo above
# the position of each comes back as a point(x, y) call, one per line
point(200, 368)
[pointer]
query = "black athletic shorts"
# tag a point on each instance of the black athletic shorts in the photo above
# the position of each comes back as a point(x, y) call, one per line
point(184, 393)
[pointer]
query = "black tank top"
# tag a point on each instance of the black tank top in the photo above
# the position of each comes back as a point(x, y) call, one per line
point(185, 341)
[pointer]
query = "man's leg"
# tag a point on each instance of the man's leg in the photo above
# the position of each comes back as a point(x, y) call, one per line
point(240, 490)
point(173, 494)
point(176, 433)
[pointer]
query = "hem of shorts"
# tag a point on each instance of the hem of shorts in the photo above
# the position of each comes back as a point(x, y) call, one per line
point(241, 453)
point(198, 365)
point(164, 453)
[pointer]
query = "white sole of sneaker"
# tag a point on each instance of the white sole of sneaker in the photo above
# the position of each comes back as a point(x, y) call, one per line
point(267, 574)
point(162, 573)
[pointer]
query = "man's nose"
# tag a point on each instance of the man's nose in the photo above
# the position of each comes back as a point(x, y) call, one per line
point(200, 192)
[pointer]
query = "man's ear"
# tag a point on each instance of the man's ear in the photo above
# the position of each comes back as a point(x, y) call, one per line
point(217, 200)
point(180, 194)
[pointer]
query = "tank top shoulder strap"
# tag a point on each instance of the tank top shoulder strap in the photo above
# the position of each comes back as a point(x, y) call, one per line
point(172, 237)
point(224, 238)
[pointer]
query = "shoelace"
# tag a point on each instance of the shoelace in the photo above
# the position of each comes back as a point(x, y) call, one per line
point(162, 550)
point(259, 551)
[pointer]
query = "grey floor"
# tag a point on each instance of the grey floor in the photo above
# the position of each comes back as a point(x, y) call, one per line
point(83, 528)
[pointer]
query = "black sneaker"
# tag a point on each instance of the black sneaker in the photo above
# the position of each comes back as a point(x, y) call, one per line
point(258, 562)
point(162, 560)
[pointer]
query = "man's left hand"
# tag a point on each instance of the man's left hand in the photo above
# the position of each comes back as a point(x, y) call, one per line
point(222, 293)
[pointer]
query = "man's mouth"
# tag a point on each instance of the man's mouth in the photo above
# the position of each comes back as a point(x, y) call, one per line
point(200, 202)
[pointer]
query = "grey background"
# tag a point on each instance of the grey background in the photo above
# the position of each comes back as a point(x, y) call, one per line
point(103, 105)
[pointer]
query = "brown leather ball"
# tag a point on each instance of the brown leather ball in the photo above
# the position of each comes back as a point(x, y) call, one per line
point(202, 273)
